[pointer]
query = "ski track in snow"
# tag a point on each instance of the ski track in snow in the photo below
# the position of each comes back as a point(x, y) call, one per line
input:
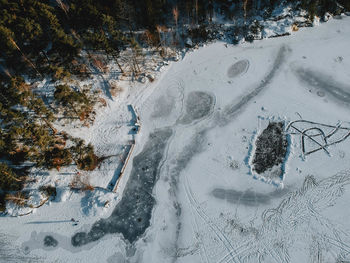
point(284, 225)
point(11, 254)
point(217, 231)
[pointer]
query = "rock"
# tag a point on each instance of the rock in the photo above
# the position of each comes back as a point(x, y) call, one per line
point(150, 77)
point(295, 28)
point(326, 17)
point(142, 79)
point(188, 42)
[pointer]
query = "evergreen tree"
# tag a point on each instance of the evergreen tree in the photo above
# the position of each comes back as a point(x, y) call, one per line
point(9, 180)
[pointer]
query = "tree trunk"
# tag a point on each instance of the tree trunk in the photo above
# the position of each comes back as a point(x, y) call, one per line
point(119, 66)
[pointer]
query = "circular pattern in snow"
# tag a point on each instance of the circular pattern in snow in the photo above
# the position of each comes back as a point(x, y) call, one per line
point(49, 241)
point(198, 105)
point(163, 106)
point(238, 68)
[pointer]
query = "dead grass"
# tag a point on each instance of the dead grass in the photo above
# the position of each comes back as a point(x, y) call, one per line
point(81, 182)
point(115, 89)
point(295, 28)
point(100, 63)
point(19, 199)
point(103, 102)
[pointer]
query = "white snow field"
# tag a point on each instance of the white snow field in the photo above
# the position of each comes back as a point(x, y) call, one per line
point(189, 193)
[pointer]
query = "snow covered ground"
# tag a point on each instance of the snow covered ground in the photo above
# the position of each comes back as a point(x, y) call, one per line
point(190, 194)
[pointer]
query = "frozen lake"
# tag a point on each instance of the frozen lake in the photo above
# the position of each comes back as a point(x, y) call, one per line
point(190, 193)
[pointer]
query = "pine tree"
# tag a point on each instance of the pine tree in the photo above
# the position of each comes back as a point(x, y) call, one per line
point(9, 180)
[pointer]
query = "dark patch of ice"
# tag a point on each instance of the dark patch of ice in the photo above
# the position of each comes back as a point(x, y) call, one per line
point(50, 241)
point(238, 68)
point(324, 83)
point(248, 197)
point(132, 215)
point(271, 148)
point(198, 105)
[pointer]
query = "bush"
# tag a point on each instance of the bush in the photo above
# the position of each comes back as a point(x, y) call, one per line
point(84, 155)
point(81, 182)
point(48, 190)
point(19, 198)
point(88, 162)
point(56, 158)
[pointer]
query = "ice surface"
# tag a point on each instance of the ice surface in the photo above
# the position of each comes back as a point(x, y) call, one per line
point(132, 215)
point(10, 253)
point(163, 106)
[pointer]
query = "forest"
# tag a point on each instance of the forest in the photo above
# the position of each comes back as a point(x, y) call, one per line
point(56, 40)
